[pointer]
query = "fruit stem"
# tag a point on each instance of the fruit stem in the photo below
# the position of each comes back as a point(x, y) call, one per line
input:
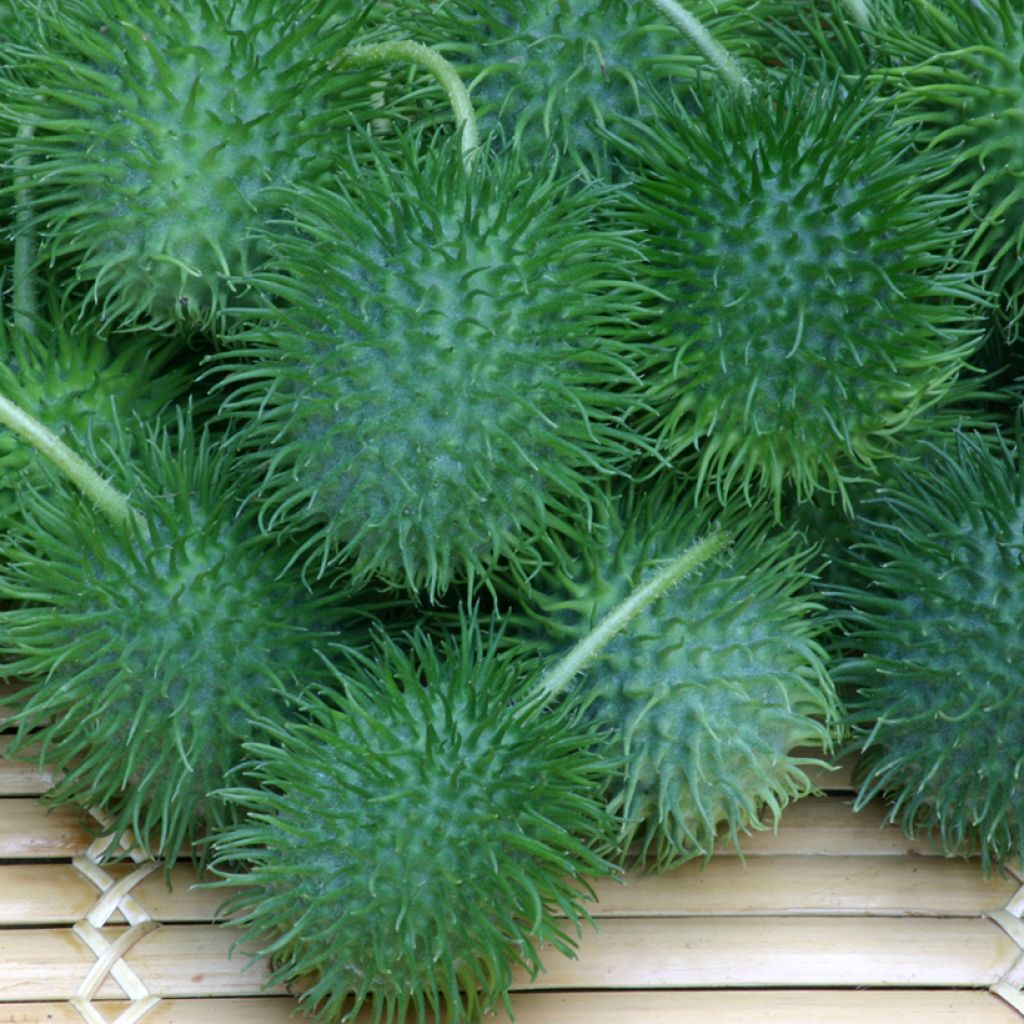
point(561, 675)
point(23, 299)
point(111, 502)
point(372, 54)
point(691, 26)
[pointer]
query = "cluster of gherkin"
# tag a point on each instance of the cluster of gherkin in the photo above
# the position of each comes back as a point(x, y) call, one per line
point(453, 450)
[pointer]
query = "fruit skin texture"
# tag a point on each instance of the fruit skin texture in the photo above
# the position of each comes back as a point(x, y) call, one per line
point(158, 125)
point(416, 836)
point(81, 385)
point(706, 694)
point(448, 368)
point(934, 697)
point(812, 305)
point(149, 657)
point(957, 71)
point(545, 73)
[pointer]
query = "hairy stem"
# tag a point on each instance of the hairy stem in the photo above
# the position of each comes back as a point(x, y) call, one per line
point(111, 502)
point(23, 299)
point(557, 679)
point(720, 57)
point(402, 50)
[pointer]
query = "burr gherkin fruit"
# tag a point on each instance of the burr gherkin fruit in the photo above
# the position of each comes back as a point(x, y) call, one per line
point(446, 374)
point(151, 647)
point(812, 303)
point(934, 695)
point(157, 126)
point(419, 835)
point(708, 692)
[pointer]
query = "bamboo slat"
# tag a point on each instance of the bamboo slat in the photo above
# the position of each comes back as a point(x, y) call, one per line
point(48, 894)
point(827, 825)
point(628, 953)
point(29, 830)
point(22, 777)
point(768, 952)
point(724, 1007)
point(177, 961)
point(192, 960)
point(865, 885)
point(817, 825)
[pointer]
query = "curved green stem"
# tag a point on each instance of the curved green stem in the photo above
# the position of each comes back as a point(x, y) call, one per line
point(372, 54)
point(23, 299)
point(720, 57)
point(560, 676)
point(111, 502)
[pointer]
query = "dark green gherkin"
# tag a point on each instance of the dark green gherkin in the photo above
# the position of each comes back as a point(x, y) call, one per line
point(422, 834)
point(158, 125)
point(708, 691)
point(447, 374)
point(150, 649)
point(935, 696)
point(813, 305)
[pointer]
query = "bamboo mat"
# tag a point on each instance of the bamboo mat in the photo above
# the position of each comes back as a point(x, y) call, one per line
point(835, 919)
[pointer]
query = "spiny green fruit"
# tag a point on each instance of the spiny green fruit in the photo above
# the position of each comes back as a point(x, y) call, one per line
point(66, 372)
point(421, 834)
point(934, 697)
point(812, 308)
point(709, 690)
point(556, 72)
point(446, 377)
point(957, 70)
point(151, 648)
point(158, 125)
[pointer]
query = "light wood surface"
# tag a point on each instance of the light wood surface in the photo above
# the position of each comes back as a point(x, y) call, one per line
point(722, 1007)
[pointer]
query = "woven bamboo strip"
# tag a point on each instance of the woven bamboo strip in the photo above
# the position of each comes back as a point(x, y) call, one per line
point(256, 1010)
point(48, 894)
point(801, 1007)
point(176, 961)
point(827, 825)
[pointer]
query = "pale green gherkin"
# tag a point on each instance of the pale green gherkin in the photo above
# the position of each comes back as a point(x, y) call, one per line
point(709, 691)
point(447, 374)
point(156, 127)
